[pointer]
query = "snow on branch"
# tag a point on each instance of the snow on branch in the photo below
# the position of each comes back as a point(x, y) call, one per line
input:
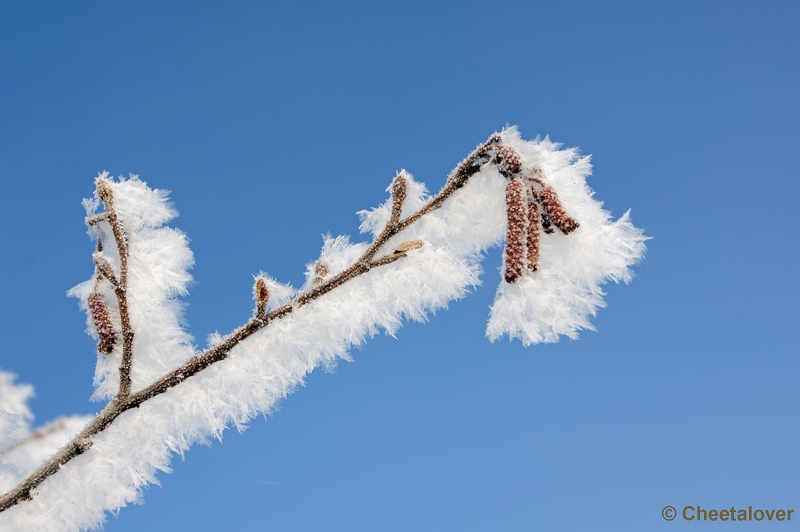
point(164, 396)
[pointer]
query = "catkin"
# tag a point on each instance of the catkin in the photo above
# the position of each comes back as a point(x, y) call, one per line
point(101, 318)
point(555, 212)
point(516, 210)
point(509, 160)
point(534, 224)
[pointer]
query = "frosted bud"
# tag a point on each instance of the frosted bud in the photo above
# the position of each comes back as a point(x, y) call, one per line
point(320, 273)
point(101, 318)
point(399, 188)
point(104, 190)
point(555, 212)
point(262, 295)
point(408, 245)
point(105, 267)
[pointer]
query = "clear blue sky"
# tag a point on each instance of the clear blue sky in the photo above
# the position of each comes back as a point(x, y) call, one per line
point(272, 123)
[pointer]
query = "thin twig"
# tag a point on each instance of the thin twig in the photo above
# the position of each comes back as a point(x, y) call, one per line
point(126, 401)
point(93, 220)
point(38, 434)
point(386, 259)
point(121, 287)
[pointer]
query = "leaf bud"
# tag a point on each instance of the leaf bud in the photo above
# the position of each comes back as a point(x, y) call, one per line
point(408, 245)
point(399, 189)
point(262, 296)
point(509, 161)
point(104, 190)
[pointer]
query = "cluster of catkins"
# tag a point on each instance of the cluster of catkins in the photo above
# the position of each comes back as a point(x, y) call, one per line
point(531, 207)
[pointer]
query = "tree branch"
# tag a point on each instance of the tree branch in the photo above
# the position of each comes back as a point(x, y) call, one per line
point(126, 400)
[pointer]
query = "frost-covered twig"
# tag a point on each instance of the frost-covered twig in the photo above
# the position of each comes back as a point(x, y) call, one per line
point(38, 434)
point(126, 400)
point(120, 284)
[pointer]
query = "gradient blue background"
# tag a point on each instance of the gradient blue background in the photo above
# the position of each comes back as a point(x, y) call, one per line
point(272, 123)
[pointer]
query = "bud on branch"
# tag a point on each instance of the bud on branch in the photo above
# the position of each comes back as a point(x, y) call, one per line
point(262, 297)
point(101, 318)
point(408, 245)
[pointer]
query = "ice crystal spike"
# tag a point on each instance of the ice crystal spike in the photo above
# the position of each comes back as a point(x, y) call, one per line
point(102, 323)
point(516, 234)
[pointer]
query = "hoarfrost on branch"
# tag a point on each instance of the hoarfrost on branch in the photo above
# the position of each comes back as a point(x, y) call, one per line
point(426, 250)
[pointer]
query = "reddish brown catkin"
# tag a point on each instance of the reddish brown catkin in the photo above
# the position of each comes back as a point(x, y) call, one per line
point(555, 212)
point(534, 227)
point(509, 161)
point(102, 323)
point(516, 210)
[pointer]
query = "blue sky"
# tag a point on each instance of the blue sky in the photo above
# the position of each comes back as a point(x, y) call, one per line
point(273, 123)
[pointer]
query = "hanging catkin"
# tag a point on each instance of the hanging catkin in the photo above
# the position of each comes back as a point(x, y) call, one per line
point(555, 213)
point(534, 226)
point(516, 234)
